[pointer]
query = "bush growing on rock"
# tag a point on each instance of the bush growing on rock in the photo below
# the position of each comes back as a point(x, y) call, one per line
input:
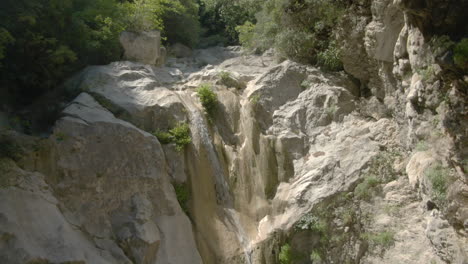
point(384, 239)
point(285, 255)
point(208, 99)
point(365, 190)
point(180, 135)
point(299, 30)
point(9, 149)
point(222, 17)
point(439, 177)
point(44, 42)
point(461, 54)
point(182, 191)
point(227, 80)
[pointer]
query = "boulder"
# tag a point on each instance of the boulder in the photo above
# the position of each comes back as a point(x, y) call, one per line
point(144, 47)
point(180, 51)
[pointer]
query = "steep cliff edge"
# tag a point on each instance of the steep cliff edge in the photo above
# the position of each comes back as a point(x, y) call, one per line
point(294, 164)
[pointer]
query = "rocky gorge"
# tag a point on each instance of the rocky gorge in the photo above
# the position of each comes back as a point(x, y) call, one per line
point(366, 165)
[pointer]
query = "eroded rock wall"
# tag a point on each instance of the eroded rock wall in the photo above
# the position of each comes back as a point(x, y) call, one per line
point(334, 164)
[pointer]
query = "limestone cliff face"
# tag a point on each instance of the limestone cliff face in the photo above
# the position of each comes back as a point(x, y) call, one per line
point(338, 166)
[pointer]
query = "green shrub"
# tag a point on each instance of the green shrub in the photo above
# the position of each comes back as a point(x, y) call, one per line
point(61, 136)
point(331, 110)
point(246, 34)
point(439, 177)
point(460, 56)
point(164, 137)
point(208, 99)
point(384, 239)
point(254, 99)
point(5, 40)
point(441, 44)
point(9, 149)
point(330, 58)
point(305, 84)
point(225, 76)
point(315, 256)
point(65, 36)
point(427, 74)
point(183, 194)
point(228, 81)
point(285, 255)
point(422, 146)
point(365, 189)
point(180, 135)
point(298, 30)
point(223, 17)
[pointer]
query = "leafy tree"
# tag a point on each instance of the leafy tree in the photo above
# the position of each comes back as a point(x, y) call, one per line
point(42, 42)
point(461, 54)
point(299, 29)
point(221, 17)
point(5, 39)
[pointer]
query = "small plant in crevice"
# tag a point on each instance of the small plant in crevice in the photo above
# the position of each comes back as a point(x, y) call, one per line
point(383, 239)
point(305, 84)
point(182, 191)
point(380, 171)
point(422, 146)
point(427, 74)
point(315, 256)
point(440, 179)
point(460, 54)
point(328, 221)
point(227, 80)
point(180, 135)
point(331, 110)
point(254, 99)
point(285, 255)
point(465, 165)
point(366, 189)
point(330, 58)
point(9, 149)
point(61, 136)
point(440, 44)
point(208, 99)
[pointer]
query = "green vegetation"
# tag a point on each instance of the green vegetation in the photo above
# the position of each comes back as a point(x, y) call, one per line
point(285, 255)
point(422, 146)
point(384, 239)
point(246, 33)
point(221, 19)
point(9, 149)
point(440, 179)
point(299, 30)
point(312, 223)
point(330, 58)
point(315, 256)
point(331, 110)
point(322, 222)
point(228, 81)
point(180, 135)
point(208, 99)
point(365, 190)
point(42, 42)
point(380, 171)
point(61, 136)
point(460, 56)
point(427, 74)
point(182, 191)
point(254, 99)
point(305, 84)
